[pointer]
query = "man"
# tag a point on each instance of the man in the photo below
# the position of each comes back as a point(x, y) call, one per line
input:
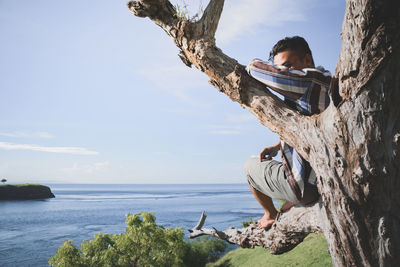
point(304, 88)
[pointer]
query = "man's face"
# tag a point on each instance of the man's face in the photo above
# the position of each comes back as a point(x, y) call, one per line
point(290, 59)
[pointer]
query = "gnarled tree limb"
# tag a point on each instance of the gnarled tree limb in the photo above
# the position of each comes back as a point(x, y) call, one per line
point(287, 232)
point(210, 19)
point(197, 44)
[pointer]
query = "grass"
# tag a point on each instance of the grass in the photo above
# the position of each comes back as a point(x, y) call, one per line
point(182, 12)
point(313, 251)
point(20, 185)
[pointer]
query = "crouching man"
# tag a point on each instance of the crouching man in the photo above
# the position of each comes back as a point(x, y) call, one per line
point(304, 88)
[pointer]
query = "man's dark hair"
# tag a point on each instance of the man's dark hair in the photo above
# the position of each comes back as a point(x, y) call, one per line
point(295, 43)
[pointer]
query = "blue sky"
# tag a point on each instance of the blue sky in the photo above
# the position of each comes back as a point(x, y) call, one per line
point(91, 94)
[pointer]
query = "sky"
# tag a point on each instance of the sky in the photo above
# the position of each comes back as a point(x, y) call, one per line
point(90, 93)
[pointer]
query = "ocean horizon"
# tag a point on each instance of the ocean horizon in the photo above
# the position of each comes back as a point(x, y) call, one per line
point(31, 231)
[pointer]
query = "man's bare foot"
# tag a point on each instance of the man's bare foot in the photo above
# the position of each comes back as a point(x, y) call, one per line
point(265, 221)
point(286, 206)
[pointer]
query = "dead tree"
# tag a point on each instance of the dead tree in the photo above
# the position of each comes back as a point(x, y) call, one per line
point(353, 146)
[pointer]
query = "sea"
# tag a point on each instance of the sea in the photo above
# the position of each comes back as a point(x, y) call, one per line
point(31, 231)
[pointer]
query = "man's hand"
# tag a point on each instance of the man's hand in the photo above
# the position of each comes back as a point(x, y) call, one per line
point(269, 152)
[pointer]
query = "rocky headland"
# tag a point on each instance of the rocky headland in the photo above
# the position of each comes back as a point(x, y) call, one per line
point(25, 192)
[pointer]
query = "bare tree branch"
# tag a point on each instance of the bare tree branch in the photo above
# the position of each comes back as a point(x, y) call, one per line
point(201, 222)
point(287, 232)
point(210, 19)
point(226, 74)
point(162, 12)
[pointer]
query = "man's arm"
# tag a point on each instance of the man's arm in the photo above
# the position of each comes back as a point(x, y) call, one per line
point(288, 82)
point(269, 152)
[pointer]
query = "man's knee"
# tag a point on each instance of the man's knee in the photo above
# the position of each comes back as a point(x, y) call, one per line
point(249, 165)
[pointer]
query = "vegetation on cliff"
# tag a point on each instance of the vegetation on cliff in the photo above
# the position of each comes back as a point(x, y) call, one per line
point(313, 251)
point(25, 192)
point(144, 243)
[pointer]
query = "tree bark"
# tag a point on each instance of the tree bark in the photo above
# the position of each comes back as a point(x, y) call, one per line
point(353, 146)
point(289, 230)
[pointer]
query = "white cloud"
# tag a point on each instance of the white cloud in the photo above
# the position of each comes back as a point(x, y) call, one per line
point(224, 129)
point(244, 16)
point(44, 135)
point(161, 153)
point(240, 118)
point(226, 132)
point(177, 80)
point(238, 18)
point(27, 135)
point(235, 123)
point(87, 168)
point(52, 149)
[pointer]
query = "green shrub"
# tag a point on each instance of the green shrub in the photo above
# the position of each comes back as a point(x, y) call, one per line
point(182, 12)
point(144, 243)
point(203, 250)
point(67, 255)
point(247, 224)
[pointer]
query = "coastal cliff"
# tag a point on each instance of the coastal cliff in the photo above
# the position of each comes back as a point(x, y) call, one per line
point(25, 192)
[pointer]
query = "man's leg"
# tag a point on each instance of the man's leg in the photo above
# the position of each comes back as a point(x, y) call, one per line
point(268, 206)
point(267, 180)
point(286, 206)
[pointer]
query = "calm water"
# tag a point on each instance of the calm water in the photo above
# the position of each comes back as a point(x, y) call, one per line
point(31, 231)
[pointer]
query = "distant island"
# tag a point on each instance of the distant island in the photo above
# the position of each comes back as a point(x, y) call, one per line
point(25, 192)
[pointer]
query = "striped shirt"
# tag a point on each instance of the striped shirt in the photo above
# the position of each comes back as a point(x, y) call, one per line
point(305, 90)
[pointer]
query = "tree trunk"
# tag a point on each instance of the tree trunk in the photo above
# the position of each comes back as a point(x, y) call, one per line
point(353, 146)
